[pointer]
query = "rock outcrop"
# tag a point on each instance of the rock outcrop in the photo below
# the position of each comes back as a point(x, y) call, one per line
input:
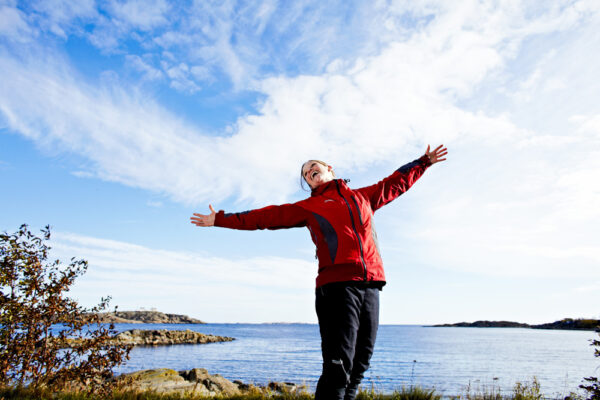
point(197, 381)
point(153, 337)
point(147, 317)
point(159, 337)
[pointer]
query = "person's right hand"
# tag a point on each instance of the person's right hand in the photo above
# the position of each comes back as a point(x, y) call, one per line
point(204, 219)
point(437, 154)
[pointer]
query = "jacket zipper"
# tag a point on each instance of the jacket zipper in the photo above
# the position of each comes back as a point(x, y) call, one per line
point(362, 257)
point(357, 209)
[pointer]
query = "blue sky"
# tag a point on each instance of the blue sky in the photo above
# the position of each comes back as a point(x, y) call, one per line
point(119, 119)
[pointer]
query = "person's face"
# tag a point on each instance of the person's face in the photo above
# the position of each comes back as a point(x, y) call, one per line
point(316, 174)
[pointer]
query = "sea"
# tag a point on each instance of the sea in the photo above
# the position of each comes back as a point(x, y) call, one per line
point(451, 360)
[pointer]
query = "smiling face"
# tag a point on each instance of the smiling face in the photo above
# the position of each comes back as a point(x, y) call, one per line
point(316, 173)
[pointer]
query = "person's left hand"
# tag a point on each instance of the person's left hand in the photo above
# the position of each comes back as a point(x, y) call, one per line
point(437, 154)
point(204, 219)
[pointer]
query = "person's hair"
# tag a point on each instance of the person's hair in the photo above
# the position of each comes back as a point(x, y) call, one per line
point(303, 180)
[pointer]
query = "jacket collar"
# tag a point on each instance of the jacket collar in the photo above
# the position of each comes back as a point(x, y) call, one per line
point(331, 185)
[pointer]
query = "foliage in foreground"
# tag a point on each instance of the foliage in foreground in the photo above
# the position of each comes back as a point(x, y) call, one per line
point(593, 384)
point(410, 393)
point(32, 301)
point(520, 392)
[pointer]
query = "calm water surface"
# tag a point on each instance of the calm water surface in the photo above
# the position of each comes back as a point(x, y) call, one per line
point(448, 359)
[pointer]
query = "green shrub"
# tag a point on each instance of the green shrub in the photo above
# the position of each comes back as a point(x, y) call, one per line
point(32, 303)
point(416, 393)
point(485, 393)
point(593, 384)
point(527, 392)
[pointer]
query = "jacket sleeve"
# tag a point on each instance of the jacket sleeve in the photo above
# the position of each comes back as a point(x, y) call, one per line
point(394, 185)
point(270, 217)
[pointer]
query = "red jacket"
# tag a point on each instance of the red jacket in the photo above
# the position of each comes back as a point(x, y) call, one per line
point(340, 221)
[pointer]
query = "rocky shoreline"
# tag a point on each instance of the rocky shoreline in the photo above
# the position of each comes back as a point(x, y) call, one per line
point(196, 381)
point(566, 324)
point(161, 337)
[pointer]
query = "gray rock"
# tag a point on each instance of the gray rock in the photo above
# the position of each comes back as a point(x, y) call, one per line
point(162, 380)
point(142, 337)
point(242, 386)
point(214, 383)
point(284, 387)
point(196, 381)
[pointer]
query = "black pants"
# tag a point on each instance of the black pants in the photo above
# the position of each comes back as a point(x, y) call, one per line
point(348, 320)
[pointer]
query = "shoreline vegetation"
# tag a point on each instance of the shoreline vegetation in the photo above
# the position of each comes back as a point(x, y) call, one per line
point(197, 384)
point(564, 324)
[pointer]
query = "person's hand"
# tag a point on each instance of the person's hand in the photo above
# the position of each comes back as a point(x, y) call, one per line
point(204, 219)
point(437, 154)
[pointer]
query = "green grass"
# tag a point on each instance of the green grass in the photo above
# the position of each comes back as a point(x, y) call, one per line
point(521, 391)
point(410, 393)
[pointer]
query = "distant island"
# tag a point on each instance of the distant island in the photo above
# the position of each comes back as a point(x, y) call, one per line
point(146, 317)
point(566, 323)
point(486, 324)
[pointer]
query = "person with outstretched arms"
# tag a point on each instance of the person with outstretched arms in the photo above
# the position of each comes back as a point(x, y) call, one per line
point(350, 272)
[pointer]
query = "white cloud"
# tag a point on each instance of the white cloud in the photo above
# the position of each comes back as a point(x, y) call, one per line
point(106, 34)
point(13, 24)
point(509, 212)
point(243, 42)
point(588, 125)
point(61, 16)
point(197, 284)
point(140, 65)
point(591, 287)
point(518, 194)
point(144, 15)
point(398, 99)
point(120, 21)
point(114, 129)
point(180, 78)
point(154, 203)
point(200, 73)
